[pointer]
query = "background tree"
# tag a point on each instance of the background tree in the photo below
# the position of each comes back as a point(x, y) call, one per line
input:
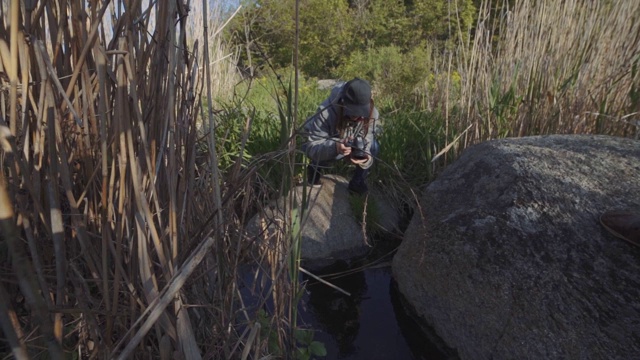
point(442, 20)
point(326, 35)
point(382, 23)
point(332, 30)
point(266, 29)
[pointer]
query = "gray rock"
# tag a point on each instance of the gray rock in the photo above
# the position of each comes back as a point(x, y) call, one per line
point(509, 261)
point(326, 84)
point(330, 231)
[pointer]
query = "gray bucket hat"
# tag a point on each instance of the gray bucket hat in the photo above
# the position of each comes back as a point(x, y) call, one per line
point(356, 97)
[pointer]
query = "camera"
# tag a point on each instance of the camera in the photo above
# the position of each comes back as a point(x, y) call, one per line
point(357, 145)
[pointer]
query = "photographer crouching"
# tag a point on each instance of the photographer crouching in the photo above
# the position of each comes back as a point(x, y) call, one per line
point(343, 128)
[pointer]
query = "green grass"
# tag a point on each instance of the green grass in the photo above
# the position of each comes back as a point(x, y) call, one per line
point(409, 141)
point(409, 138)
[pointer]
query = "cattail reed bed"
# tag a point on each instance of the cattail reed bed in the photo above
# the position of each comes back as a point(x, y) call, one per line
point(119, 228)
point(547, 67)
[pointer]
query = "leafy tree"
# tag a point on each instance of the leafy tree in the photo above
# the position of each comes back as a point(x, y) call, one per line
point(396, 74)
point(441, 20)
point(267, 28)
point(326, 28)
point(382, 23)
point(331, 30)
point(264, 29)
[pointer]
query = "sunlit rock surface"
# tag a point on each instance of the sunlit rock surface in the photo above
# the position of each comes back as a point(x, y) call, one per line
point(330, 231)
point(509, 260)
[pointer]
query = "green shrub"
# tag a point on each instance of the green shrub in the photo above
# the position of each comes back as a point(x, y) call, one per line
point(256, 102)
point(395, 74)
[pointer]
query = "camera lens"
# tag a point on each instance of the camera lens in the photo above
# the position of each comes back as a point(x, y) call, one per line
point(357, 149)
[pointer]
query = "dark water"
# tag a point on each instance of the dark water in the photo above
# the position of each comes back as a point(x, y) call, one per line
point(371, 323)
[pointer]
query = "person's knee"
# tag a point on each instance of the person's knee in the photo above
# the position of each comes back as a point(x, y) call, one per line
point(320, 164)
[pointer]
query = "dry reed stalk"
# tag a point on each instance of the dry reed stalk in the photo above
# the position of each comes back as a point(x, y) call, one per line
point(82, 294)
point(144, 218)
point(182, 131)
point(563, 59)
point(156, 307)
point(24, 70)
point(11, 326)
point(64, 170)
point(35, 256)
point(55, 211)
point(120, 108)
point(87, 47)
point(13, 67)
point(112, 123)
point(21, 264)
point(254, 337)
point(218, 223)
point(325, 282)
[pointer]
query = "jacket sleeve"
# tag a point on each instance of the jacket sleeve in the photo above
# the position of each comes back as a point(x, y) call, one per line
point(321, 135)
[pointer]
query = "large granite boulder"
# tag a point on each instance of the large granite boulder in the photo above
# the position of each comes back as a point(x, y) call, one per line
point(330, 231)
point(508, 259)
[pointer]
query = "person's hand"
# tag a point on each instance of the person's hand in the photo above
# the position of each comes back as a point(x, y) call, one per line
point(359, 160)
point(342, 148)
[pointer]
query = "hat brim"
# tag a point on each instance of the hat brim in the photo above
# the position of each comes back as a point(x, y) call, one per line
point(357, 110)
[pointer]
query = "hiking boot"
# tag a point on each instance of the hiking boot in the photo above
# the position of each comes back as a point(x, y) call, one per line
point(313, 176)
point(358, 187)
point(623, 224)
point(358, 183)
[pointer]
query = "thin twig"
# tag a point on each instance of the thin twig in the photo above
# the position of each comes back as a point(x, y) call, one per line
point(324, 281)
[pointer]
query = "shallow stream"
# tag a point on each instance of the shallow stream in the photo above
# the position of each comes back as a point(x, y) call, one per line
point(371, 323)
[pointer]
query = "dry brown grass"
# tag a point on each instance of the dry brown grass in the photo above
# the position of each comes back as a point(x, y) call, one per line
point(544, 67)
point(109, 197)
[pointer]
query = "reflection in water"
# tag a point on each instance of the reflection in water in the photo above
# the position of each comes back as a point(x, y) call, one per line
point(336, 313)
point(369, 324)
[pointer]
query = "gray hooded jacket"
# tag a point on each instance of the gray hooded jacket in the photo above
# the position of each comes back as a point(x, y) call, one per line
point(322, 133)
